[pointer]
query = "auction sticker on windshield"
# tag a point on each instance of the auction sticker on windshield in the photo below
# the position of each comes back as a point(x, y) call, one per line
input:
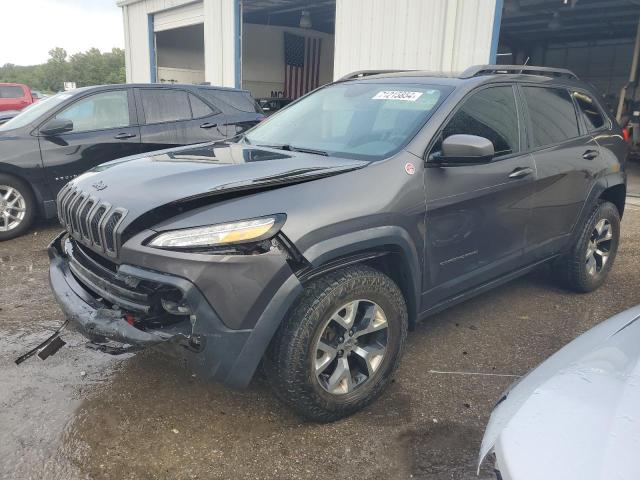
point(398, 95)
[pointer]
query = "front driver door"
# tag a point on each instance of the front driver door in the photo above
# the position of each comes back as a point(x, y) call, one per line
point(103, 130)
point(477, 214)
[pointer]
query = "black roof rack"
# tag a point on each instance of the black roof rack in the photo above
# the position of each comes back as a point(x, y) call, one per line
point(367, 73)
point(478, 70)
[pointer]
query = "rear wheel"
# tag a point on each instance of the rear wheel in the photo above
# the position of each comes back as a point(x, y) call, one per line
point(586, 266)
point(336, 351)
point(17, 207)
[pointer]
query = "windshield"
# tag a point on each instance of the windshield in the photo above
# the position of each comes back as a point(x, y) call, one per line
point(35, 110)
point(357, 120)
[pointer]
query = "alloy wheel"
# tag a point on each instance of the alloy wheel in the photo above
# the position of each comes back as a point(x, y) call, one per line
point(13, 208)
point(599, 247)
point(351, 347)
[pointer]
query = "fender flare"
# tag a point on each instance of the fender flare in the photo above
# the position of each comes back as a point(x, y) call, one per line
point(598, 187)
point(353, 243)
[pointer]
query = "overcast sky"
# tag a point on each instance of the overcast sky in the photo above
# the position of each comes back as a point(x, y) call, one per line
point(30, 28)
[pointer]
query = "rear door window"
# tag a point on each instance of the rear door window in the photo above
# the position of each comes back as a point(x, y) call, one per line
point(165, 105)
point(553, 115)
point(591, 113)
point(490, 113)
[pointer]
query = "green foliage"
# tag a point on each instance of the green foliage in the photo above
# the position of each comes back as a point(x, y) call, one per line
point(92, 67)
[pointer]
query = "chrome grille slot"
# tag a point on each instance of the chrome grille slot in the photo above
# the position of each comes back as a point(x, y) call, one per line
point(110, 230)
point(95, 225)
point(63, 207)
point(60, 201)
point(73, 212)
point(84, 217)
point(67, 208)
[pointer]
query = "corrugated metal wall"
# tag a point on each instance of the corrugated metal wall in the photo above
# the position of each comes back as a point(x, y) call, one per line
point(447, 35)
point(219, 39)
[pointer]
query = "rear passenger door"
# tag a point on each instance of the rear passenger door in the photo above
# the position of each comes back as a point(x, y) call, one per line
point(173, 117)
point(477, 214)
point(566, 156)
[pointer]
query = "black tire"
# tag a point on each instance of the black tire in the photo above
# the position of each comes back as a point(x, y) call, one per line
point(289, 362)
point(30, 207)
point(574, 268)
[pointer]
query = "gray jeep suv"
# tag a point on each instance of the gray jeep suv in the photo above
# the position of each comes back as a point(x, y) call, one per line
point(312, 243)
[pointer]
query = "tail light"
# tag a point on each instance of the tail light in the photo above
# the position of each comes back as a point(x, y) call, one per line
point(625, 134)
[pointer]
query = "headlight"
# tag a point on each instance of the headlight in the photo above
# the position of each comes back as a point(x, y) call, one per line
point(223, 234)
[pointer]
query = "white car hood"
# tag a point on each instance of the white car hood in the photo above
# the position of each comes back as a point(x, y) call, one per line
point(577, 415)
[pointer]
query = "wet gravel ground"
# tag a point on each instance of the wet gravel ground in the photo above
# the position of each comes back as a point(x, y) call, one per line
point(82, 414)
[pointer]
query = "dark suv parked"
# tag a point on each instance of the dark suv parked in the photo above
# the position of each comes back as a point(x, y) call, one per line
point(62, 136)
point(313, 243)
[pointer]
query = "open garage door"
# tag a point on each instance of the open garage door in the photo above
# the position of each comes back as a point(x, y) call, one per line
point(179, 44)
point(287, 47)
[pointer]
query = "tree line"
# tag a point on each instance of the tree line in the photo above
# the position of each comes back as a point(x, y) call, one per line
point(92, 67)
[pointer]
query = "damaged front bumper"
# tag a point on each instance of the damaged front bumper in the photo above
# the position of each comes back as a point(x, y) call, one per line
point(208, 346)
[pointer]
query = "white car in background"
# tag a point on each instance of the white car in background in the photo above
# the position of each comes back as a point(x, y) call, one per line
point(577, 415)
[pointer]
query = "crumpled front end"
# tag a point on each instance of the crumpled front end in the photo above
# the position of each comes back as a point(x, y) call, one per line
point(133, 308)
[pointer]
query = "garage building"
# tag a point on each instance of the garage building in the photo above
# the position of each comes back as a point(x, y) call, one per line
point(287, 47)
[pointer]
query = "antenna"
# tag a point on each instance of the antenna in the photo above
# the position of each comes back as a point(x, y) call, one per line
point(525, 63)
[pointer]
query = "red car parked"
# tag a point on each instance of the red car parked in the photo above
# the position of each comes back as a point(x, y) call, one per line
point(14, 96)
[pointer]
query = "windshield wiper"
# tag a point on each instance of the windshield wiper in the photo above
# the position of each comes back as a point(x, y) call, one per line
point(291, 148)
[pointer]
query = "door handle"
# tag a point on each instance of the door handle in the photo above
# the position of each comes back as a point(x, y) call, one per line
point(590, 154)
point(208, 125)
point(521, 172)
point(124, 136)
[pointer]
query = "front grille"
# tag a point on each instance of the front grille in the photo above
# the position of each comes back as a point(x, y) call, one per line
point(104, 282)
point(89, 220)
point(142, 297)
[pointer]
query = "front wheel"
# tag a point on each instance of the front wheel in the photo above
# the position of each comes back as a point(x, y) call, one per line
point(586, 266)
point(336, 351)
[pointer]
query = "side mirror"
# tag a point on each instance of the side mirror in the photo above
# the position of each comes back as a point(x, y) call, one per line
point(56, 126)
point(465, 150)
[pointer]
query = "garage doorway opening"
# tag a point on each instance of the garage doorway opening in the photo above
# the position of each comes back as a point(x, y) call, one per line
point(287, 47)
point(180, 54)
point(593, 38)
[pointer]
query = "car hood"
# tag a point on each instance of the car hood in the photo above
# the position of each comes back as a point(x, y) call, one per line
point(577, 415)
point(143, 183)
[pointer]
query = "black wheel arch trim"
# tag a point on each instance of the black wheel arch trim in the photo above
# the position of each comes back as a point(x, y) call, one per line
point(600, 186)
point(369, 244)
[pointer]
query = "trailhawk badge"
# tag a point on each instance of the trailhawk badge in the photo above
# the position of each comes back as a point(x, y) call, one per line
point(410, 168)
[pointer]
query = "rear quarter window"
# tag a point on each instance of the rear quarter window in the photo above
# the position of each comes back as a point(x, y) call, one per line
point(552, 114)
point(238, 100)
point(593, 117)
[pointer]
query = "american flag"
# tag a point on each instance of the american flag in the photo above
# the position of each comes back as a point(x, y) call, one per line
point(301, 64)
